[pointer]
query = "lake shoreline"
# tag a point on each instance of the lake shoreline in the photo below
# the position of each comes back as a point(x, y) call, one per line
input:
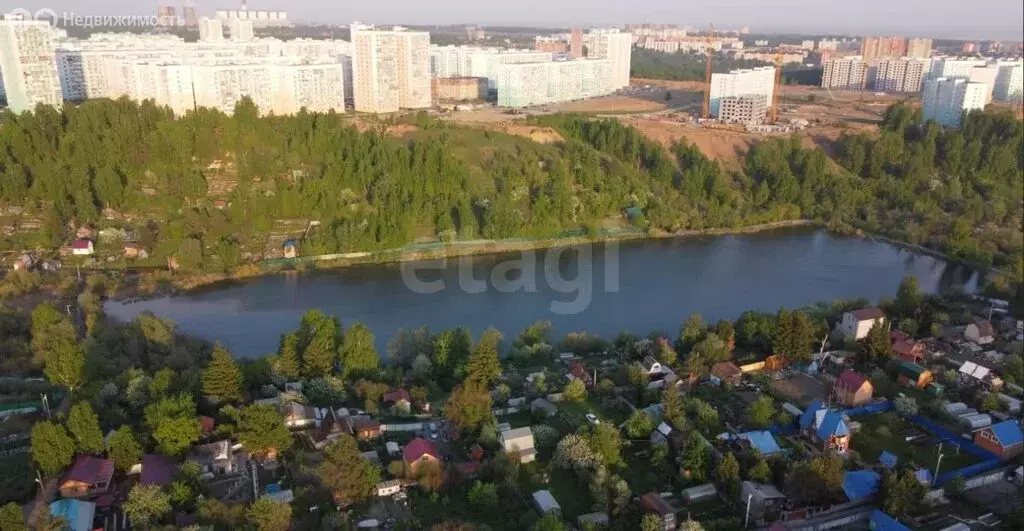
point(203, 282)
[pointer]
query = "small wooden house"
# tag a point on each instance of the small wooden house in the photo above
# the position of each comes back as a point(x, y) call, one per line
point(914, 375)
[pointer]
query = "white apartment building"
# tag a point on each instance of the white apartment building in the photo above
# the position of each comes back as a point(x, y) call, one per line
point(1009, 84)
point(210, 30)
point(28, 64)
point(528, 84)
point(828, 44)
point(3, 93)
point(985, 75)
point(755, 82)
point(390, 69)
point(946, 100)
point(240, 30)
point(954, 68)
point(615, 46)
point(848, 73)
point(899, 75)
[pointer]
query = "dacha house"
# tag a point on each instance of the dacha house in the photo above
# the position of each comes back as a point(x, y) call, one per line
point(853, 389)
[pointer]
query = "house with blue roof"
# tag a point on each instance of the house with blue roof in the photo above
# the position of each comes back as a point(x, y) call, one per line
point(879, 521)
point(764, 441)
point(77, 514)
point(1005, 440)
point(888, 459)
point(860, 484)
point(825, 427)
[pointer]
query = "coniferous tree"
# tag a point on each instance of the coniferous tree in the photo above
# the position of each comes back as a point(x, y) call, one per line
point(222, 379)
point(358, 353)
point(484, 366)
point(318, 335)
point(84, 426)
point(287, 363)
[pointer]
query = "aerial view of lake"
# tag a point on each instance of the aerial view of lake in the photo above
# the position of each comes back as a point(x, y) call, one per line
point(638, 286)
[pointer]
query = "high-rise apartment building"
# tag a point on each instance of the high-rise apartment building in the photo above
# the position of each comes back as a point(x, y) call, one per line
point(1009, 81)
point(615, 46)
point(919, 48)
point(954, 68)
point(754, 82)
point(742, 110)
point(985, 75)
point(846, 73)
point(390, 69)
point(899, 75)
point(210, 30)
point(576, 43)
point(28, 64)
point(875, 47)
point(240, 30)
point(3, 92)
point(946, 100)
point(553, 44)
point(528, 84)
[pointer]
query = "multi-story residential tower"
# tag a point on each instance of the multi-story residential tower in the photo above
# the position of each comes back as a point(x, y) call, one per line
point(615, 46)
point(847, 73)
point(875, 47)
point(390, 69)
point(1009, 81)
point(211, 30)
point(946, 100)
point(755, 82)
point(28, 64)
point(920, 48)
point(899, 75)
point(240, 30)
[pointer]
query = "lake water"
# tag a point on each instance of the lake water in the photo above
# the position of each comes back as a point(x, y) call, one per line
point(638, 286)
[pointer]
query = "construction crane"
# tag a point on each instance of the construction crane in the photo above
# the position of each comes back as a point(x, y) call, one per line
point(778, 87)
point(705, 110)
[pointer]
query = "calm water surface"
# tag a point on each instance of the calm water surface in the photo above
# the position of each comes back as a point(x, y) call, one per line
point(638, 286)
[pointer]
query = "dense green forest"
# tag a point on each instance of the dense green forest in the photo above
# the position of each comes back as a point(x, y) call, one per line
point(955, 190)
point(682, 66)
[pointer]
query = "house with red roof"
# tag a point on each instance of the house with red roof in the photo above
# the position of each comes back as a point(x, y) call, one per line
point(82, 247)
point(399, 400)
point(852, 388)
point(157, 470)
point(856, 324)
point(89, 476)
point(418, 452)
point(577, 372)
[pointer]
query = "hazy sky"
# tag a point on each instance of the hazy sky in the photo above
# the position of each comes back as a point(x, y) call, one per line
point(978, 19)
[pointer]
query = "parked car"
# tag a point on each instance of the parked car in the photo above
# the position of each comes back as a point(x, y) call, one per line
point(592, 418)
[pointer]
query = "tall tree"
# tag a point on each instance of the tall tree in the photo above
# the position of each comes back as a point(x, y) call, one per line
point(318, 334)
point(484, 366)
point(692, 332)
point(348, 476)
point(147, 505)
point(358, 353)
point(286, 365)
point(761, 412)
point(695, 457)
point(266, 514)
point(877, 346)
point(84, 426)
point(469, 407)
point(222, 379)
point(64, 363)
point(262, 432)
point(173, 423)
point(12, 518)
point(672, 400)
point(124, 449)
point(52, 447)
point(605, 441)
point(902, 494)
point(728, 474)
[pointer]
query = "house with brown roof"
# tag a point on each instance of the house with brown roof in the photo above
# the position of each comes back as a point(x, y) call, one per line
point(856, 324)
point(853, 389)
point(157, 470)
point(88, 477)
point(727, 372)
point(399, 400)
point(980, 332)
point(908, 350)
point(653, 503)
point(366, 429)
point(418, 452)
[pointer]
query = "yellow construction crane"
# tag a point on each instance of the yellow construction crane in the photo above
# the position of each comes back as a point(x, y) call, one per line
point(705, 110)
point(778, 87)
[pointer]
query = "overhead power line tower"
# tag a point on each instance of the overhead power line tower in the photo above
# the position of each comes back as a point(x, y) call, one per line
point(705, 110)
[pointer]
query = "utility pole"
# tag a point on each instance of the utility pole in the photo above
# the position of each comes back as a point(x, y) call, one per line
point(746, 518)
point(705, 110)
point(938, 463)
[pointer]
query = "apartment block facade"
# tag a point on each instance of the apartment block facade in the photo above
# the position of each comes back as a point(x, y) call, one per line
point(899, 75)
point(946, 100)
point(876, 47)
point(848, 73)
point(742, 110)
point(528, 84)
point(1009, 81)
point(919, 48)
point(616, 47)
point(28, 64)
point(390, 69)
point(756, 82)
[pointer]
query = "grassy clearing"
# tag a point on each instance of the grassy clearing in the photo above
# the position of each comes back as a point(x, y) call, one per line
point(570, 492)
point(882, 432)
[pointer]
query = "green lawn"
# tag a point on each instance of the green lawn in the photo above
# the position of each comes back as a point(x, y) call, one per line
point(570, 493)
point(882, 432)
